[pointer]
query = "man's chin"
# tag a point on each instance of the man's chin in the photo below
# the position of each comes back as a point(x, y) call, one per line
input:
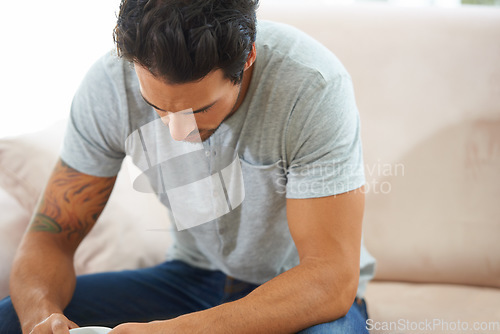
point(199, 137)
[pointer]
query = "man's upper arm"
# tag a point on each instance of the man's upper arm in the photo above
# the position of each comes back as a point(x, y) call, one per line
point(71, 203)
point(98, 121)
point(327, 230)
point(325, 177)
point(328, 227)
point(323, 144)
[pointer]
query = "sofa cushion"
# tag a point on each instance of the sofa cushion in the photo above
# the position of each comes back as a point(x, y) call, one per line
point(427, 83)
point(12, 224)
point(26, 162)
point(442, 215)
point(407, 305)
point(132, 231)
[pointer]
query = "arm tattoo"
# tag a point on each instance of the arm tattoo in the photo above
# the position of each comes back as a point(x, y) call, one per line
point(72, 202)
point(44, 223)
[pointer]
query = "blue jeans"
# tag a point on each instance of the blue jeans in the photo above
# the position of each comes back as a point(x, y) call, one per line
point(162, 292)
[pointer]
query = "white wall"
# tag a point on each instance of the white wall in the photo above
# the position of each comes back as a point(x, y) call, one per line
point(46, 49)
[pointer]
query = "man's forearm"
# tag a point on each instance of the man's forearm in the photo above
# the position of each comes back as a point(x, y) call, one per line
point(306, 295)
point(42, 282)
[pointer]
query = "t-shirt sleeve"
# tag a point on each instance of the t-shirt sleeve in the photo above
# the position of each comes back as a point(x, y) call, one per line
point(323, 143)
point(93, 142)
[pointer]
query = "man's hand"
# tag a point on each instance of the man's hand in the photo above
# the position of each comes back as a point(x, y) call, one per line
point(156, 327)
point(56, 324)
point(43, 276)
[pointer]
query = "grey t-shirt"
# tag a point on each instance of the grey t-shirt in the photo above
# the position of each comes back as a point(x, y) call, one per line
point(296, 135)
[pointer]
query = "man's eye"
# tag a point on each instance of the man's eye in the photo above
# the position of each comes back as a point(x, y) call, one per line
point(205, 110)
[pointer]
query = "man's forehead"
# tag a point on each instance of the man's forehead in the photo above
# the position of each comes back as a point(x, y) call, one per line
point(216, 75)
point(173, 98)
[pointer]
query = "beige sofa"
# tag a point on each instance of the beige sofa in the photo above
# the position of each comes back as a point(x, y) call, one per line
point(428, 88)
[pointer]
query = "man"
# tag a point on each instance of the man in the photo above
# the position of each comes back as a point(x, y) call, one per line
point(250, 137)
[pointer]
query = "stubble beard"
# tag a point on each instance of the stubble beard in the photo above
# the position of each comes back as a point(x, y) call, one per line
point(206, 134)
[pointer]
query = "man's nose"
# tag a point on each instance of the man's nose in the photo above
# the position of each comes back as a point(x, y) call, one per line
point(180, 123)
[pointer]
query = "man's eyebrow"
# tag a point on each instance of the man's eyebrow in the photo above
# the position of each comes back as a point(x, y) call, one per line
point(152, 105)
point(194, 111)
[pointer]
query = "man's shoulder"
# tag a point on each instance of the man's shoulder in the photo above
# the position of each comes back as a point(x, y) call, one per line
point(299, 52)
point(110, 68)
point(111, 80)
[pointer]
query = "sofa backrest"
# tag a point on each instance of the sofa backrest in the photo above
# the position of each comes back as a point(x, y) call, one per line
point(427, 84)
point(132, 231)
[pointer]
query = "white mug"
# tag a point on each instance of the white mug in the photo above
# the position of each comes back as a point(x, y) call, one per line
point(90, 330)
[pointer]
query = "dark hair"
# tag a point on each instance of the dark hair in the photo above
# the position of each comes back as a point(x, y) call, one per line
point(183, 40)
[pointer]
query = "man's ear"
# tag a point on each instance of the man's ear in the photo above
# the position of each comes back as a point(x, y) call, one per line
point(251, 58)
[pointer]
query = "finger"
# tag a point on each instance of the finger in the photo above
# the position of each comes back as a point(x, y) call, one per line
point(71, 324)
point(123, 328)
point(60, 326)
point(130, 327)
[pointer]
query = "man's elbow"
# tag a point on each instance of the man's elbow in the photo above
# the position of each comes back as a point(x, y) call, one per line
point(340, 292)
